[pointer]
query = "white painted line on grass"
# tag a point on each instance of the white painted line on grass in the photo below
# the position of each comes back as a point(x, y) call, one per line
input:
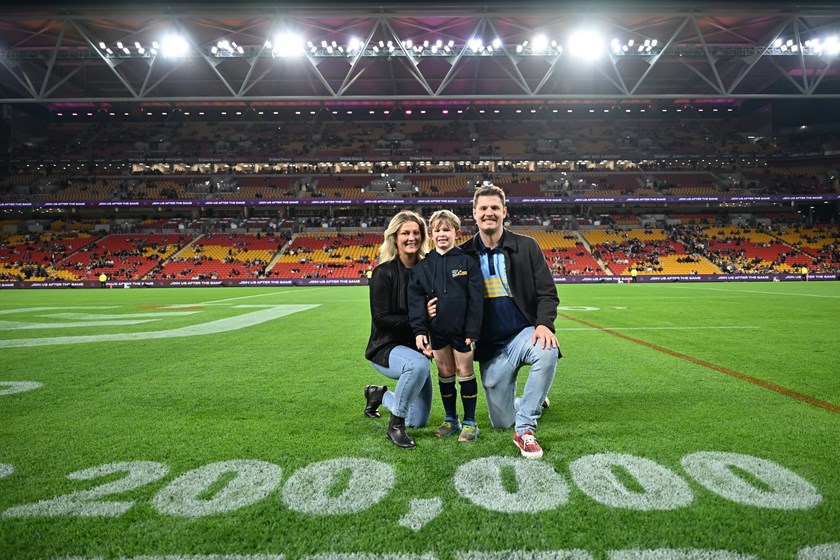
point(219, 301)
point(212, 327)
point(656, 328)
point(39, 309)
point(12, 387)
point(753, 292)
point(26, 325)
point(101, 316)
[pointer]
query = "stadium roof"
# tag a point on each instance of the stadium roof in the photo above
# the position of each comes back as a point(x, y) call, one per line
point(251, 53)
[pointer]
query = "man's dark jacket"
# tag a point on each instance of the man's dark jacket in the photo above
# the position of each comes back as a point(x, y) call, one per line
point(455, 279)
point(528, 275)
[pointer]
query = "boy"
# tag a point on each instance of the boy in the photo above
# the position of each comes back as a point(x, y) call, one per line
point(455, 279)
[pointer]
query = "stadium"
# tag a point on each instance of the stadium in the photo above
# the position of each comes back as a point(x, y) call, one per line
point(193, 197)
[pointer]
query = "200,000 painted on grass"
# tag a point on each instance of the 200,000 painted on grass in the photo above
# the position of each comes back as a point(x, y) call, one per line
point(539, 487)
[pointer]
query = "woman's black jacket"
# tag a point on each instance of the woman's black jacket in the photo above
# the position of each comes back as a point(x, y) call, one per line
point(389, 326)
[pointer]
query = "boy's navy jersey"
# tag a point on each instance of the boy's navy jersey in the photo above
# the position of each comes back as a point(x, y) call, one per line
point(455, 279)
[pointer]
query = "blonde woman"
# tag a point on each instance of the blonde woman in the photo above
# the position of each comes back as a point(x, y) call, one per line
point(391, 348)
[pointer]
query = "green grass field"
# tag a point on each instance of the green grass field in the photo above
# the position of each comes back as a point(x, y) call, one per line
point(688, 421)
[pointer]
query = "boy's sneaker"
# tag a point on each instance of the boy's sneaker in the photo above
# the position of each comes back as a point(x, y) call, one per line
point(448, 428)
point(468, 433)
point(528, 445)
point(546, 403)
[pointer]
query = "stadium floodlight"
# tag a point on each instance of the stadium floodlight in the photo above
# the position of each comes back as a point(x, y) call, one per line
point(174, 46)
point(287, 45)
point(355, 45)
point(831, 45)
point(586, 44)
point(540, 43)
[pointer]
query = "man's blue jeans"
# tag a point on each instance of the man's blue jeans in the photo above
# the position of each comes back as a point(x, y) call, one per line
point(498, 377)
point(412, 397)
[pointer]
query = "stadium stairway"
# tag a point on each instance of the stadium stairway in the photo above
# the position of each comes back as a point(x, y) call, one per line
point(600, 262)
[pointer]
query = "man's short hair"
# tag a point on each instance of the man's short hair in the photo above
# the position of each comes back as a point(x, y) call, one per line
point(488, 190)
point(446, 217)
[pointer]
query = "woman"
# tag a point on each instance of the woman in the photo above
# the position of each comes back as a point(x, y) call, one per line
point(391, 348)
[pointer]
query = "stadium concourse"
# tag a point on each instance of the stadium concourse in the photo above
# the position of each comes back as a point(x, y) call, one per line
point(719, 206)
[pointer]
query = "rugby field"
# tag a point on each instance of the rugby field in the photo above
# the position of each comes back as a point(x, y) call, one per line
point(687, 421)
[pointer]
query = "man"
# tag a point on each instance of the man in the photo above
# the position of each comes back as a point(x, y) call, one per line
point(520, 305)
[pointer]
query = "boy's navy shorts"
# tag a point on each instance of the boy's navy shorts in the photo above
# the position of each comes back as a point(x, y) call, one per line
point(439, 342)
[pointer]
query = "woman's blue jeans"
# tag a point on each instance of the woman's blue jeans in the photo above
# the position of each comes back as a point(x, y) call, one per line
point(412, 397)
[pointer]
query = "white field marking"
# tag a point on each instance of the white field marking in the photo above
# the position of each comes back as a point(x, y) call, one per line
point(39, 309)
point(662, 488)
point(307, 490)
point(540, 487)
point(573, 554)
point(89, 503)
point(679, 554)
point(194, 557)
point(253, 481)
point(722, 327)
point(420, 512)
point(13, 387)
point(212, 327)
point(6, 469)
point(788, 490)
point(23, 326)
point(756, 292)
point(577, 308)
point(369, 556)
point(830, 551)
point(295, 291)
point(100, 316)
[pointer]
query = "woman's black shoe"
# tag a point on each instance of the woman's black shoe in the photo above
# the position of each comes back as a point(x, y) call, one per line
point(396, 433)
point(373, 395)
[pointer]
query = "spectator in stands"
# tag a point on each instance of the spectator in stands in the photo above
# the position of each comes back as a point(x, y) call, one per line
point(391, 348)
point(517, 329)
point(453, 277)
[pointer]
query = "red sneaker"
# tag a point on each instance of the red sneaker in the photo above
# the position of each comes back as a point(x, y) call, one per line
point(528, 445)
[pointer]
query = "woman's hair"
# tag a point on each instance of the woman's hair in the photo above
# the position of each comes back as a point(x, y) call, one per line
point(388, 251)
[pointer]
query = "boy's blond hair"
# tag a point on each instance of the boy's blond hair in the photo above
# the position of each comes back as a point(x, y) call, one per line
point(446, 217)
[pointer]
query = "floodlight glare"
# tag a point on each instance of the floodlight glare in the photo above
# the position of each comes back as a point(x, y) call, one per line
point(287, 44)
point(174, 46)
point(832, 45)
point(586, 44)
point(540, 43)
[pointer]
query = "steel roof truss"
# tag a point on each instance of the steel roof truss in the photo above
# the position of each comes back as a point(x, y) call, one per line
point(352, 75)
point(753, 60)
point(652, 61)
point(718, 84)
point(111, 64)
